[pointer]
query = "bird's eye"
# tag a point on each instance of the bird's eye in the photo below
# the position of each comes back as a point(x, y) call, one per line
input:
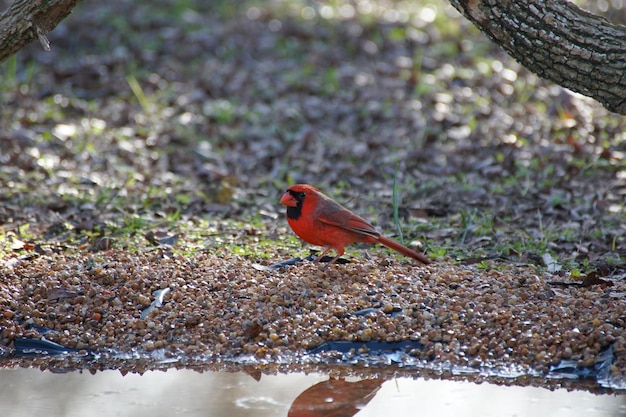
point(297, 195)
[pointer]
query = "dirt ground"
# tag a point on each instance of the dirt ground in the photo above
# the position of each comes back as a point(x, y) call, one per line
point(158, 137)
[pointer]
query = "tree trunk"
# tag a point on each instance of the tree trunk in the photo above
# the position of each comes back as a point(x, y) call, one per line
point(559, 42)
point(27, 20)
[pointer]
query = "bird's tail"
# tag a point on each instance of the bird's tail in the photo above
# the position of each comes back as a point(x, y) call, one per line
point(392, 244)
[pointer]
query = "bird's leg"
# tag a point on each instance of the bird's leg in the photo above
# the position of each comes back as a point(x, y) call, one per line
point(327, 249)
point(324, 252)
point(332, 261)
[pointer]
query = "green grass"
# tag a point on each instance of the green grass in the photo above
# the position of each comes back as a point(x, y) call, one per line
point(396, 206)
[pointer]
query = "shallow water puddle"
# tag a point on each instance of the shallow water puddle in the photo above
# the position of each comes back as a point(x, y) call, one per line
point(28, 391)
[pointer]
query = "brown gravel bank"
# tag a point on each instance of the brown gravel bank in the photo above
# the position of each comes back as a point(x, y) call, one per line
point(222, 308)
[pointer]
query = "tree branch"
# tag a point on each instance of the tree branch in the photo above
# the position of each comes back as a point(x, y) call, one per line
point(27, 20)
point(559, 42)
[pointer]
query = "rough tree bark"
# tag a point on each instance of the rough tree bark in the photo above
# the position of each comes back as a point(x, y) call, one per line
point(559, 42)
point(27, 20)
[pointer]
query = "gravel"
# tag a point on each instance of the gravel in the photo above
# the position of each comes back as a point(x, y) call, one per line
point(223, 308)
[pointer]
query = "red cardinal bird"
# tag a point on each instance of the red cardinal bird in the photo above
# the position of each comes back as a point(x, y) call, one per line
point(321, 221)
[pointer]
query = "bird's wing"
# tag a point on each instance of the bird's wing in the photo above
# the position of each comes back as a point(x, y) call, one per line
point(334, 214)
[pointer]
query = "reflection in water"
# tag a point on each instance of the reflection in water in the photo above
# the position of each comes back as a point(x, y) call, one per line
point(30, 392)
point(335, 397)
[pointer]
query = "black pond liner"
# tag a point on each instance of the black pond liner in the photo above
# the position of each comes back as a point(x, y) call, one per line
point(26, 347)
point(600, 371)
point(392, 352)
point(373, 348)
point(33, 347)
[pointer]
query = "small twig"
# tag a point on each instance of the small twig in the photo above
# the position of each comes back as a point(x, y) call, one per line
point(45, 43)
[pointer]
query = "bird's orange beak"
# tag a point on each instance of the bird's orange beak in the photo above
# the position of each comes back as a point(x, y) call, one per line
point(288, 200)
